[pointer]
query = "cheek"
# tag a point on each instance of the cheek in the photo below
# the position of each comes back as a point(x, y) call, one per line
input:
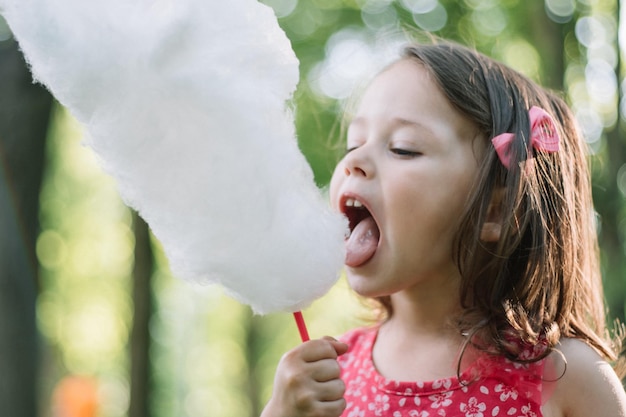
point(430, 213)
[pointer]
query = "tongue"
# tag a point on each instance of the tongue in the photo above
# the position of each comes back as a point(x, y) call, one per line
point(362, 243)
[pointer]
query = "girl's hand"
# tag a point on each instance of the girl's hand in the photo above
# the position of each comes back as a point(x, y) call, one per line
point(307, 382)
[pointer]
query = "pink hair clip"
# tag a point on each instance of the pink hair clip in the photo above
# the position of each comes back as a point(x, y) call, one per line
point(543, 136)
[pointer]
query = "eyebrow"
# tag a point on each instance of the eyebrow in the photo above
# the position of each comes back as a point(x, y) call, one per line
point(399, 121)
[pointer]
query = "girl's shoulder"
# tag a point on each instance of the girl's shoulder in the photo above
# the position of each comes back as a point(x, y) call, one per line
point(584, 383)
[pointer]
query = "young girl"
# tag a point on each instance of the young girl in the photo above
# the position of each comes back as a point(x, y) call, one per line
point(469, 202)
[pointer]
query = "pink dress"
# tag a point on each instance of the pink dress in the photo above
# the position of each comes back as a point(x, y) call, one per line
point(495, 387)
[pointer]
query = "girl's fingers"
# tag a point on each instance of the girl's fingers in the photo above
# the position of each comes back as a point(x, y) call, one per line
point(308, 380)
point(332, 408)
point(340, 347)
point(318, 396)
point(331, 391)
point(316, 350)
point(325, 370)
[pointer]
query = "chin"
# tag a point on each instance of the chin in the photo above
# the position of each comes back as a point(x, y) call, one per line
point(365, 286)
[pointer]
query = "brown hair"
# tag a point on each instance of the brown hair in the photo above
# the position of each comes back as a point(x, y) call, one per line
point(541, 280)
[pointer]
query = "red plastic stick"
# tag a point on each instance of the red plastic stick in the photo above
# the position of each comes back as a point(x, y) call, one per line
point(304, 334)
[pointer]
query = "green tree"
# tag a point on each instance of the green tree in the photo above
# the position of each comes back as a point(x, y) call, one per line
point(24, 113)
point(140, 340)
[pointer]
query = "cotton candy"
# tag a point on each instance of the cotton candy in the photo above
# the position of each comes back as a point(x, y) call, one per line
point(185, 104)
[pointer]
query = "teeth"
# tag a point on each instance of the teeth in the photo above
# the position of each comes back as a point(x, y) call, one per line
point(351, 202)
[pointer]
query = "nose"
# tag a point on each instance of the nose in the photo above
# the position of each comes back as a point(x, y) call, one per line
point(357, 163)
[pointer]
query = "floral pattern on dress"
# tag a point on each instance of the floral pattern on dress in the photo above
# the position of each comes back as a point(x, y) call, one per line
point(503, 388)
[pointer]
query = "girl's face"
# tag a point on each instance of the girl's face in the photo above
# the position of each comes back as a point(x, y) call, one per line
point(411, 161)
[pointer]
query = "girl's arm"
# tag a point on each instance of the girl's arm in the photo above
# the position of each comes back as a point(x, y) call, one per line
point(589, 386)
point(307, 382)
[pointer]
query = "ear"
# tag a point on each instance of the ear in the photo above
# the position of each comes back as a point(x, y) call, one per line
point(490, 232)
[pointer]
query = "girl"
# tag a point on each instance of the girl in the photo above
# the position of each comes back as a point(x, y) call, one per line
point(468, 197)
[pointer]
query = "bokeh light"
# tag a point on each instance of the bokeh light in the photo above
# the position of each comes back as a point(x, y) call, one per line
point(432, 20)
point(560, 11)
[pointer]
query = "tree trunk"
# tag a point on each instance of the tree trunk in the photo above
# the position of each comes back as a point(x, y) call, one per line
point(253, 353)
point(610, 204)
point(549, 37)
point(140, 375)
point(24, 114)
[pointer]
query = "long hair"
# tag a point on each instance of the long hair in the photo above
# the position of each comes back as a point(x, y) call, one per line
point(541, 280)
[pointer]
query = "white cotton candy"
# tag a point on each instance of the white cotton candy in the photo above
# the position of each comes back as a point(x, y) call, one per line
point(184, 102)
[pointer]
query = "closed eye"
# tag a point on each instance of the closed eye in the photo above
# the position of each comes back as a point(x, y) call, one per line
point(404, 152)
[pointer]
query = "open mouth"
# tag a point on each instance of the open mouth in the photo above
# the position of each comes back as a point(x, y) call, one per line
point(355, 211)
point(362, 242)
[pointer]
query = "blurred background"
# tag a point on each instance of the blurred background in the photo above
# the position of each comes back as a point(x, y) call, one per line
point(91, 321)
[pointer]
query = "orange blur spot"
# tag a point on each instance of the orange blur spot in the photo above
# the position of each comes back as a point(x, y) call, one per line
point(76, 396)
